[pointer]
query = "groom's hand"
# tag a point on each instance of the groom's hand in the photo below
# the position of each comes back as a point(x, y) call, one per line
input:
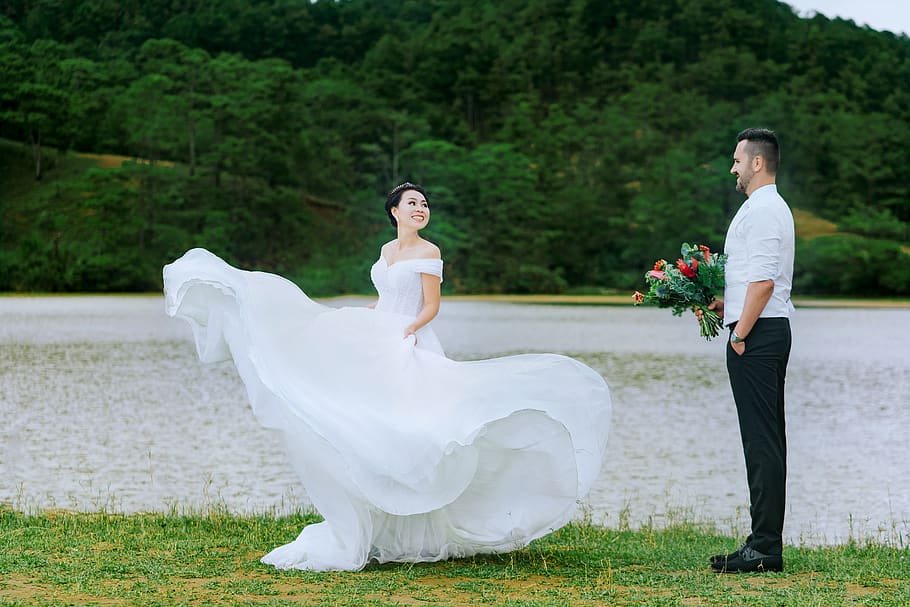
point(718, 306)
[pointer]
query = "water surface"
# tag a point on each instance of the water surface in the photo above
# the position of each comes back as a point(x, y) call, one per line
point(104, 405)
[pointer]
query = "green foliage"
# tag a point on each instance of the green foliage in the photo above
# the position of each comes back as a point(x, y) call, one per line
point(845, 263)
point(565, 144)
point(875, 223)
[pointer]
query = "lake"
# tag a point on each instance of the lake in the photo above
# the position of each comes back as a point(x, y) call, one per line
point(104, 406)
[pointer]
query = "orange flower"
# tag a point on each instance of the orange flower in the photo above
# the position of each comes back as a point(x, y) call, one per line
point(638, 297)
point(705, 250)
point(660, 264)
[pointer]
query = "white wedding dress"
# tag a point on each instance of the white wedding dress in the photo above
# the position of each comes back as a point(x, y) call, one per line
point(407, 455)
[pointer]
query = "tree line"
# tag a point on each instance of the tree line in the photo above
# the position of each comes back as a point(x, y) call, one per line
point(565, 144)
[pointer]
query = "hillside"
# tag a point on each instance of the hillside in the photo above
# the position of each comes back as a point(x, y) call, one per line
point(565, 144)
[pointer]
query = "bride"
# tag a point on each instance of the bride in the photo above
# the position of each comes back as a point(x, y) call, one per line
point(406, 454)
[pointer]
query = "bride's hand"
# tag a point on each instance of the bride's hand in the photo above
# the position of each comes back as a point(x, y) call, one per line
point(409, 332)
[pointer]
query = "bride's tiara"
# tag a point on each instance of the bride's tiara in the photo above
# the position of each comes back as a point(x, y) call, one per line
point(404, 186)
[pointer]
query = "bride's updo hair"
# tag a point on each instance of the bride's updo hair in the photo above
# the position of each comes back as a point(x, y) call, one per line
point(394, 198)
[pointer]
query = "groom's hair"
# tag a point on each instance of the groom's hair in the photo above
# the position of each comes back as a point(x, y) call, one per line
point(394, 198)
point(762, 142)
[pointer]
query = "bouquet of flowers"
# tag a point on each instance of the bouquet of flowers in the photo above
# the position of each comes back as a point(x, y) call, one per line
point(693, 282)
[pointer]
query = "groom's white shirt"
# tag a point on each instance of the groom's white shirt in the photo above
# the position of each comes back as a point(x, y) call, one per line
point(760, 246)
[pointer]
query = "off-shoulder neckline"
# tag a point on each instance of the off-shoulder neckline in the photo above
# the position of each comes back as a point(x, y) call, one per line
point(391, 265)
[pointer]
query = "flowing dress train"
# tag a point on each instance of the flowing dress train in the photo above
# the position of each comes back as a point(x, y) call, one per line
point(407, 455)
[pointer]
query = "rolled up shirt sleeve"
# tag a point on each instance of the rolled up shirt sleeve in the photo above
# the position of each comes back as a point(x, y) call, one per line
point(763, 248)
point(760, 246)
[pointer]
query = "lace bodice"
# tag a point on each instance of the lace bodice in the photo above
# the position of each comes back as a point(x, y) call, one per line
point(399, 285)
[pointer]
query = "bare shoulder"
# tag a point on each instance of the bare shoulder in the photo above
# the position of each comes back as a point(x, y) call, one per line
point(430, 251)
point(387, 247)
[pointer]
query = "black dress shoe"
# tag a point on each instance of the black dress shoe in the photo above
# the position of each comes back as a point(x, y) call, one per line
point(717, 558)
point(748, 560)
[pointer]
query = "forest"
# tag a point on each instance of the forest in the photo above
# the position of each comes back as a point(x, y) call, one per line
point(565, 144)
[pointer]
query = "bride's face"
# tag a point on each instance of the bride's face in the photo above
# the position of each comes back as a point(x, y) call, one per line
point(412, 211)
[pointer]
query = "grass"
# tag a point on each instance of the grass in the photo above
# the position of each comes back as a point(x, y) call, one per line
point(17, 173)
point(157, 559)
point(809, 226)
point(23, 195)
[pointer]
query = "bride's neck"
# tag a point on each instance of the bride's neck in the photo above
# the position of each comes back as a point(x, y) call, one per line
point(407, 239)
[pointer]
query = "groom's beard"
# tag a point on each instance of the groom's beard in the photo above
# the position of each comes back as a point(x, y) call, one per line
point(742, 183)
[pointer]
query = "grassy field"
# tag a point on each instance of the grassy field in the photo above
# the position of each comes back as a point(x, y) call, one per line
point(65, 558)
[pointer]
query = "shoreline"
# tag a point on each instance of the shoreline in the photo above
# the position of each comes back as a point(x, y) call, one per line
point(581, 300)
point(612, 300)
point(888, 535)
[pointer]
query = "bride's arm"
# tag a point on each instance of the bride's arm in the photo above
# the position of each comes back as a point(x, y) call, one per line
point(431, 297)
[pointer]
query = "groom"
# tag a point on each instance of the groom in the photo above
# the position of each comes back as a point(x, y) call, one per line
point(756, 308)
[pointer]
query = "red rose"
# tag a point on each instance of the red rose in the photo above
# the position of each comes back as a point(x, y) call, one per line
point(685, 269)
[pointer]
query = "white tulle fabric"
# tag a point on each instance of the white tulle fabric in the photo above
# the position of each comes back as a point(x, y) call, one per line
point(407, 455)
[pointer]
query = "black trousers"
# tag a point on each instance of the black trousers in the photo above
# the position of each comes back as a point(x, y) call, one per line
point(757, 378)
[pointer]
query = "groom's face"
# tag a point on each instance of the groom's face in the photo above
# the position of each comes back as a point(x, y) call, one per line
point(742, 167)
